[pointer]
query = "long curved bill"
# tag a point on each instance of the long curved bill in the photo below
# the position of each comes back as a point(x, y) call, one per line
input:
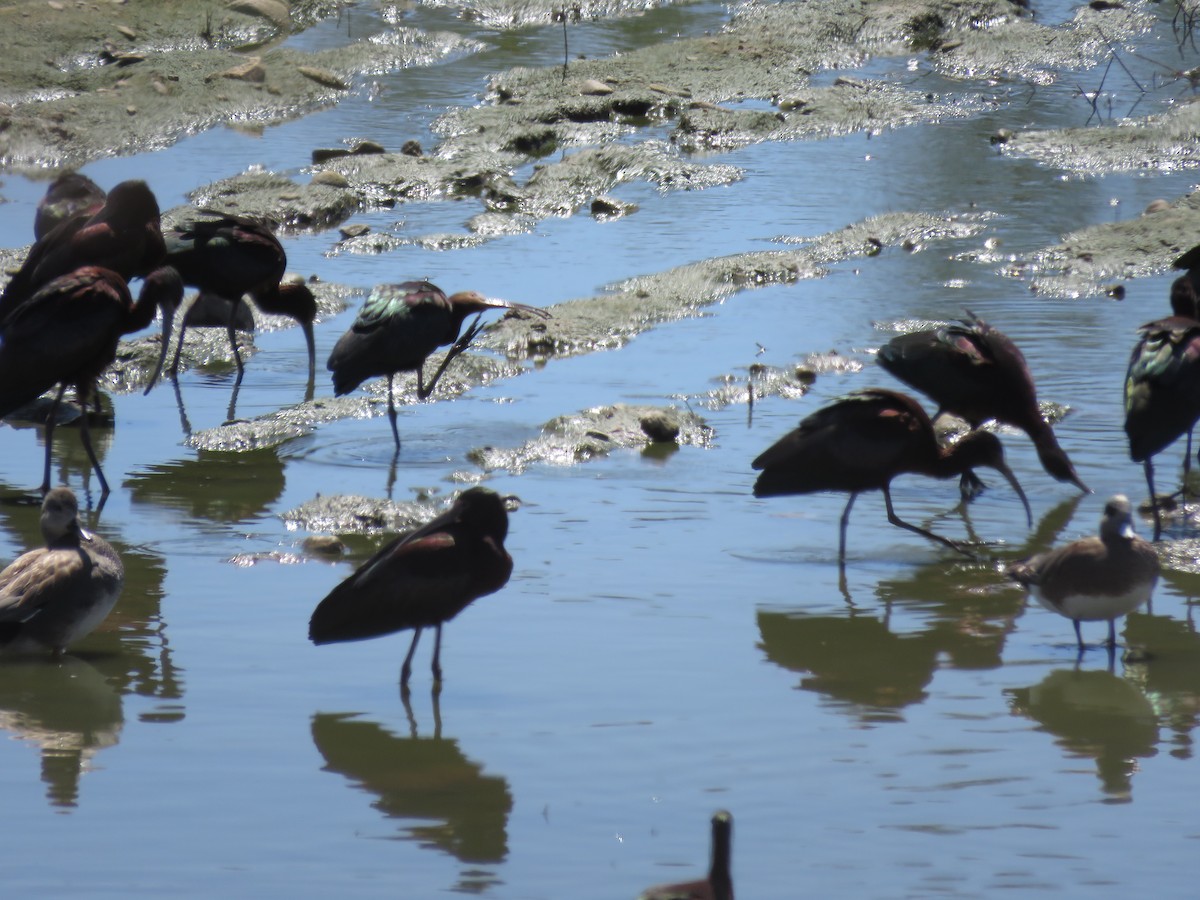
point(1016, 486)
point(168, 318)
point(497, 303)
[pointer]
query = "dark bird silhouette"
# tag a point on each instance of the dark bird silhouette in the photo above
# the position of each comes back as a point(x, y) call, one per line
point(399, 326)
point(422, 579)
point(125, 236)
point(67, 334)
point(977, 373)
point(719, 883)
point(226, 257)
point(52, 597)
point(1095, 578)
point(69, 195)
point(1162, 393)
point(863, 441)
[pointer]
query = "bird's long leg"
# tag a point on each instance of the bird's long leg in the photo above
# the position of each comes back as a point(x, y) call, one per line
point(437, 653)
point(50, 434)
point(896, 520)
point(1078, 636)
point(455, 349)
point(1149, 468)
point(87, 445)
point(392, 410)
point(183, 315)
point(406, 669)
point(842, 531)
point(232, 330)
point(1112, 632)
point(970, 485)
point(1187, 461)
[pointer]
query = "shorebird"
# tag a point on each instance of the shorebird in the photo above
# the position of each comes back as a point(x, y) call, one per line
point(399, 326)
point(719, 883)
point(53, 596)
point(1094, 578)
point(863, 441)
point(422, 579)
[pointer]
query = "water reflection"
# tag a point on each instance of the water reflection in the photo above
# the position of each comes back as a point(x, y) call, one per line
point(1169, 675)
point(214, 486)
point(67, 454)
point(67, 709)
point(1096, 715)
point(423, 778)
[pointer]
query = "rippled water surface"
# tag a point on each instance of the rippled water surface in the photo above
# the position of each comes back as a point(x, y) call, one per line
point(668, 645)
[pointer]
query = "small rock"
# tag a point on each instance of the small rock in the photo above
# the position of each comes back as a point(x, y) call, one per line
point(324, 545)
point(323, 77)
point(252, 71)
point(363, 148)
point(1155, 206)
point(412, 148)
point(594, 88)
point(805, 375)
point(353, 231)
point(659, 426)
point(127, 31)
point(331, 178)
point(273, 10)
point(324, 154)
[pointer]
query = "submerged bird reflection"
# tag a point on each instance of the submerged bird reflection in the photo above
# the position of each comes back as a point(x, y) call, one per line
point(424, 778)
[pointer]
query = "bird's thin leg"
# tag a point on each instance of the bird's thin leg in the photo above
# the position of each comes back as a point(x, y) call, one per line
point(970, 485)
point(392, 411)
point(437, 653)
point(455, 349)
point(229, 327)
point(1112, 632)
point(1149, 468)
point(1078, 636)
point(896, 520)
point(50, 435)
point(1187, 461)
point(406, 669)
point(87, 445)
point(842, 531)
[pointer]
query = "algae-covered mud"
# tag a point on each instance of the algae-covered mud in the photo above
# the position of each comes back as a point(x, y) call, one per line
point(726, 211)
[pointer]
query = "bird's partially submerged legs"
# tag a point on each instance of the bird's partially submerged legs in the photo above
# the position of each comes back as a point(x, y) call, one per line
point(232, 330)
point(1078, 636)
point(970, 485)
point(1149, 468)
point(87, 445)
point(842, 531)
point(456, 348)
point(406, 669)
point(437, 654)
point(50, 435)
point(392, 411)
point(896, 520)
point(1112, 633)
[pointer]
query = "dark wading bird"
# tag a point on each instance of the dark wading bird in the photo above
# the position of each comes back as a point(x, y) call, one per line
point(860, 443)
point(719, 883)
point(1095, 578)
point(69, 195)
point(124, 236)
point(226, 257)
point(422, 579)
point(977, 373)
point(67, 334)
point(399, 326)
point(1162, 393)
point(52, 597)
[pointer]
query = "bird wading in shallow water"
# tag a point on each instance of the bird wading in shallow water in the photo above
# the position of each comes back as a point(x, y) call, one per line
point(124, 236)
point(1095, 578)
point(227, 257)
point(719, 883)
point(53, 596)
point(863, 441)
point(422, 579)
point(399, 326)
point(977, 373)
point(67, 334)
point(1162, 393)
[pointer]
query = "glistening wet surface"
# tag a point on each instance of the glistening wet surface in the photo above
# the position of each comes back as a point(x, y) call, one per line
point(668, 644)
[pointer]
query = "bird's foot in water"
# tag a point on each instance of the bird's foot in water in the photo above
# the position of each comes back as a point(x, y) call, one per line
point(970, 486)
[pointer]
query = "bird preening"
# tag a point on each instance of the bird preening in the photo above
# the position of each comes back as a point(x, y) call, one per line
point(422, 579)
point(399, 326)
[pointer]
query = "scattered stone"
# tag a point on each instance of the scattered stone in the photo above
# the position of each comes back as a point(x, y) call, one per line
point(252, 71)
point(324, 545)
point(353, 231)
point(323, 77)
point(331, 178)
point(592, 87)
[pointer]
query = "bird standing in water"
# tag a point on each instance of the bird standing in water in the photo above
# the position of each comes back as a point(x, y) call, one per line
point(227, 257)
point(1095, 578)
point(125, 236)
point(862, 442)
point(67, 334)
point(719, 883)
point(977, 373)
point(399, 326)
point(53, 596)
point(1162, 393)
point(422, 579)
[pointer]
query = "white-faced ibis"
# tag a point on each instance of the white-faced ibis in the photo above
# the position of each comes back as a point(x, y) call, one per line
point(67, 334)
point(124, 236)
point(1095, 578)
point(863, 441)
point(226, 257)
point(719, 883)
point(1162, 393)
point(422, 579)
point(53, 596)
point(70, 194)
point(977, 373)
point(399, 326)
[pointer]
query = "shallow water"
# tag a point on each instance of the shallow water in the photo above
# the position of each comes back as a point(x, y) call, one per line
point(668, 644)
